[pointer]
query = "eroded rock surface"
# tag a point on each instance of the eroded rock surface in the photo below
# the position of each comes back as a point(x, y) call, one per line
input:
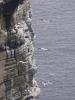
point(16, 51)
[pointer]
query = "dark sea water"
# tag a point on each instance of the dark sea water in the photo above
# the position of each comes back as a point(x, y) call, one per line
point(54, 27)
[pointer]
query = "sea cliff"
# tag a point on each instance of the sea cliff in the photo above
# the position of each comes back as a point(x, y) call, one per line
point(17, 65)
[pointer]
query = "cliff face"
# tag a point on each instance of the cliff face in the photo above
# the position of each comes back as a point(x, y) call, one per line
point(17, 66)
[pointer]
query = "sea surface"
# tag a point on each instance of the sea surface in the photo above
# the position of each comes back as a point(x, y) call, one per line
point(54, 28)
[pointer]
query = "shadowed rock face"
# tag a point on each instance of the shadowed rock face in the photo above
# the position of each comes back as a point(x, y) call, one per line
point(18, 68)
point(8, 10)
point(9, 7)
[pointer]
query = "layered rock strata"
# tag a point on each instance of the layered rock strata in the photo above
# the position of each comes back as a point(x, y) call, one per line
point(17, 65)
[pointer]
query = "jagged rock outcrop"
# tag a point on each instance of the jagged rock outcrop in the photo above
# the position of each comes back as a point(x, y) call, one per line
point(17, 65)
